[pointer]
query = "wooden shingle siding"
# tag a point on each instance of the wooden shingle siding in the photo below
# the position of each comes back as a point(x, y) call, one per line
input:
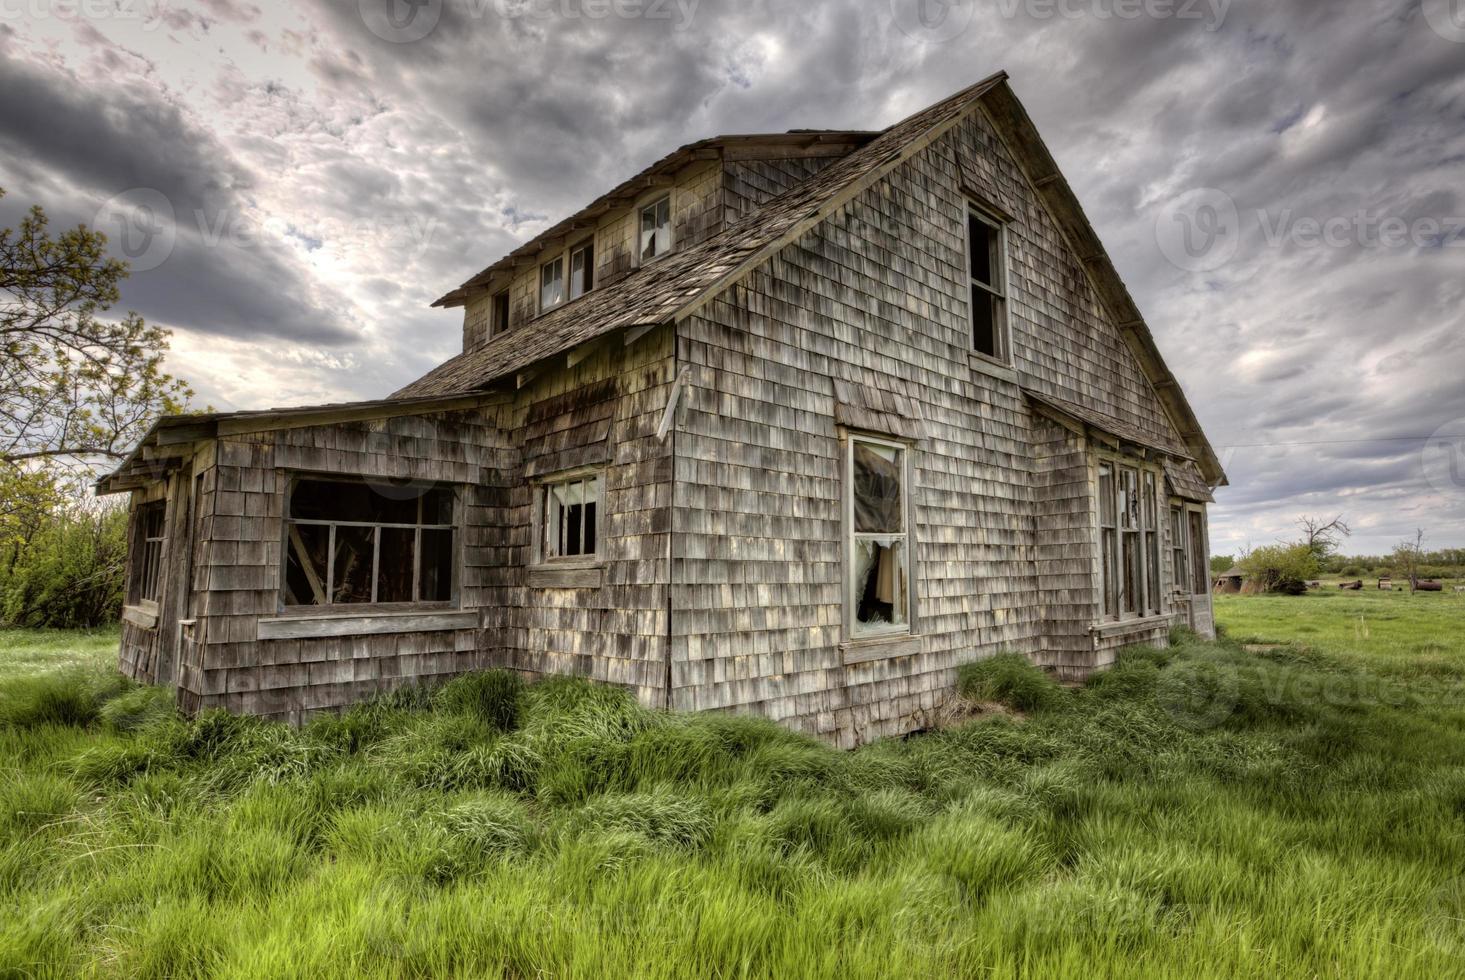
point(875, 298)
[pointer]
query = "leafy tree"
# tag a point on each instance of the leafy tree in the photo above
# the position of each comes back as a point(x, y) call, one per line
point(74, 388)
point(1282, 568)
point(1221, 563)
point(69, 571)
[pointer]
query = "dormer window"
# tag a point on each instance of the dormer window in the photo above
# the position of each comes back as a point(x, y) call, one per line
point(582, 269)
point(498, 313)
point(552, 283)
point(656, 228)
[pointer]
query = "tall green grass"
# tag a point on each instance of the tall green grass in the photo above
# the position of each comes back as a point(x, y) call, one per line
point(1200, 811)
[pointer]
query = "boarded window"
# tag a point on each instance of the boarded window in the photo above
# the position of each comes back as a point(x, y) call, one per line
point(552, 284)
point(656, 229)
point(349, 542)
point(147, 552)
point(988, 288)
point(498, 318)
point(571, 510)
point(582, 270)
point(879, 585)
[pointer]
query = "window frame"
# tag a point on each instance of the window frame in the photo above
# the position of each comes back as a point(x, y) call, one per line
point(1116, 539)
point(559, 260)
point(145, 578)
point(654, 200)
point(542, 487)
point(1179, 550)
point(330, 608)
point(854, 631)
point(498, 321)
point(998, 291)
point(584, 245)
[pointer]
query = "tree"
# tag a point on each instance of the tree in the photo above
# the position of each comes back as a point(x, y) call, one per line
point(74, 389)
point(1282, 568)
point(1407, 556)
point(1322, 537)
point(1221, 563)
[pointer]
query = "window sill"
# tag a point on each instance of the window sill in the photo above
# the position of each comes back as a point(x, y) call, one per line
point(990, 366)
point(296, 627)
point(1124, 627)
point(143, 616)
point(868, 648)
point(567, 575)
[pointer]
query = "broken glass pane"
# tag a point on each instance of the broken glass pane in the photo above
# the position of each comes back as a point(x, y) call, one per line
point(351, 581)
point(880, 588)
point(395, 565)
point(305, 569)
point(877, 488)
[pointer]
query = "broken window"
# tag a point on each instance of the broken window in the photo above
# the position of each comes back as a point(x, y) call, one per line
point(552, 284)
point(1150, 515)
point(987, 269)
point(879, 586)
point(147, 552)
point(498, 316)
point(1129, 541)
point(349, 542)
point(1200, 575)
point(582, 270)
point(571, 511)
point(1178, 562)
point(656, 228)
point(1108, 543)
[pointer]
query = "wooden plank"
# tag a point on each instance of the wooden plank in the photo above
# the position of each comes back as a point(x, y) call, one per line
point(313, 627)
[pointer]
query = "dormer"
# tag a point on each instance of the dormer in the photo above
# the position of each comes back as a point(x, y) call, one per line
point(677, 202)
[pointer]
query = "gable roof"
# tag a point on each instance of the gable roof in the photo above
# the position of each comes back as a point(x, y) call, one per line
point(681, 283)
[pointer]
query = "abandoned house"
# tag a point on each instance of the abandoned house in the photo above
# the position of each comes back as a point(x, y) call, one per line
point(790, 424)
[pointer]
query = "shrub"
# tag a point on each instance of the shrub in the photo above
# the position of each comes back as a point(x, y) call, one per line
point(1280, 568)
point(1010, 679)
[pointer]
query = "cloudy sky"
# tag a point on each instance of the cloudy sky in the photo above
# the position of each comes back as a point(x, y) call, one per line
point(1282, 185)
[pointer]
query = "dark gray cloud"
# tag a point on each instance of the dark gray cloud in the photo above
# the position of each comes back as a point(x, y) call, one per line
point(393, 171)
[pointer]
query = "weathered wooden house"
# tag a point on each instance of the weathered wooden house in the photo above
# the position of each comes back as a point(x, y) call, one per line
point(791, 424)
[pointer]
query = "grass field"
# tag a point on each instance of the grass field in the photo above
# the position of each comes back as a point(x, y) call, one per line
point(1204, 811)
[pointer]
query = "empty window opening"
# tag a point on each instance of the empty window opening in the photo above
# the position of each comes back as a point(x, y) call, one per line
point(350, 542)
point(571, 511)
point(987, 270)
point(879, 586)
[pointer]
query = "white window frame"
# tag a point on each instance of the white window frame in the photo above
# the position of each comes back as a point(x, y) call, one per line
point(671, 240)
point(584, 245)
point(998, 290)
point(854, 630)
point(559, 260)
point(543, 488)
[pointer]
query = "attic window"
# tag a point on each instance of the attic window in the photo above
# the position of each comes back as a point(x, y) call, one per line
point(498, 313)
point(349, 542)
point(656, 228)
point(987, 271)
point(552, 283)
point(582, 269)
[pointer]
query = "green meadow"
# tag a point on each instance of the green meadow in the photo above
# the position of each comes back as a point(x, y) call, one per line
point(1239, 808)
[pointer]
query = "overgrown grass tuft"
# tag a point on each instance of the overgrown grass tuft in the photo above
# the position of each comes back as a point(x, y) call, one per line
point(1012, 680)
point(1199, 810)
